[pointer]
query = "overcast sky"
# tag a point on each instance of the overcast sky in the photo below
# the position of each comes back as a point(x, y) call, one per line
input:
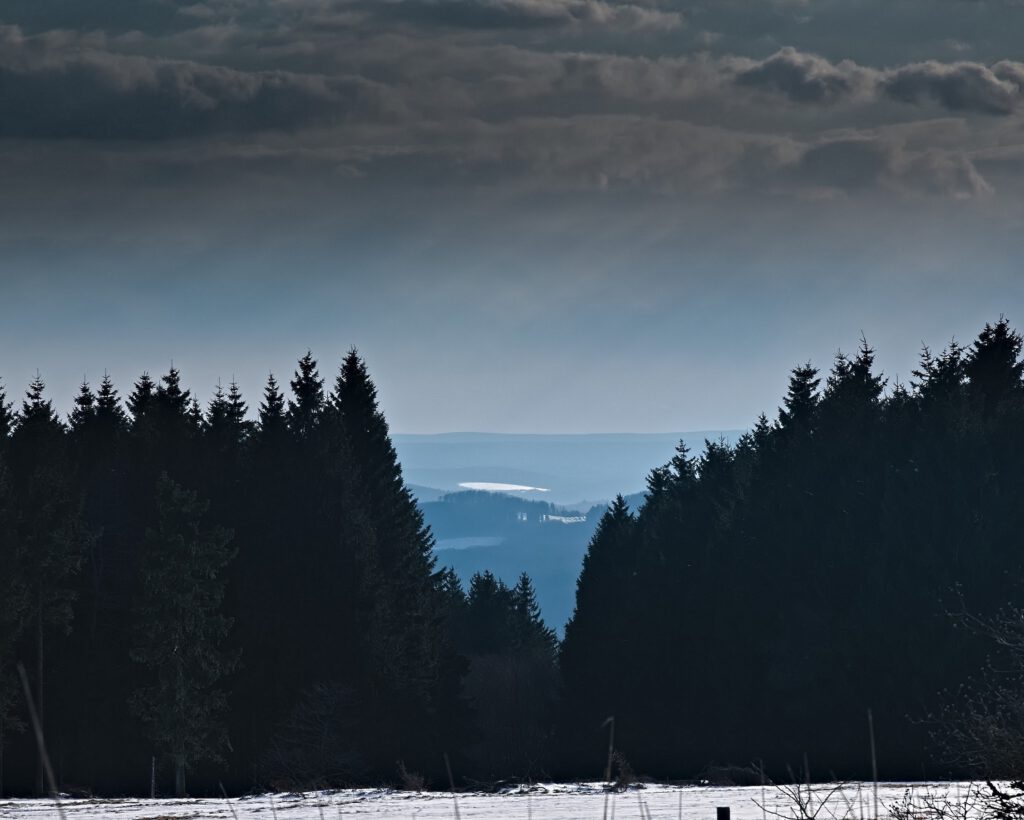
point(529, 215)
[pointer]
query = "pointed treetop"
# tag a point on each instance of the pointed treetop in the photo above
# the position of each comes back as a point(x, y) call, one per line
point(7, 416)
point(171, 395)
point(355, 400)
point(619, 509)
point(305, 408)
point(802, 396)
point(140, 401)
point(762, 431)
point(851, 383)
point(354, 384)
point(272, 417)
point(683, 466)
point(217, 412)
point(994, 368)
point(528, 628)
point(194, 414)
point(617, 516)
point(861, 370)
point(237, 408)
point(35, 408)
point(108, 405)
point(941, 376)
point(658, 482)
point(225, 417)
point(84, 410)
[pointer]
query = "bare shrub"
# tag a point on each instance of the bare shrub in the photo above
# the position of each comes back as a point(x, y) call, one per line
point(313, 746)
point(410, 781)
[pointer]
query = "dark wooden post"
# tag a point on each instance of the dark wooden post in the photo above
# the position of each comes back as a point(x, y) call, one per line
point(722, 813)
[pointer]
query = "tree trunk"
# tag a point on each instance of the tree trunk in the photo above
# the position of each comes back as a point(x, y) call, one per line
point(40, 787)
point(179, 776)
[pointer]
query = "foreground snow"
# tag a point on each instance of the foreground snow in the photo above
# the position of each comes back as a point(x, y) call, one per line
point(852, 801)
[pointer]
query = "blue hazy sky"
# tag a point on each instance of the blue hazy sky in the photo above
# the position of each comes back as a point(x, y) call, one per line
point(529, 215)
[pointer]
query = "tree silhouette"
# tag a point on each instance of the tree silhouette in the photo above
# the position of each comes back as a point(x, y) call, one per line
point(180, 632)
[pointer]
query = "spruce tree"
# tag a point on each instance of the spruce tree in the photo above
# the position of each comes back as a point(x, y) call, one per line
point(50, 531)
point(994, 368)
point(109, 411)
point(272, 415)
point(8, 419)
point(490, 608)
point(172, 398)
point(14, 605)
point(237, 410)
point(801, 399)
point(140, 402)
point(217, 410)
point(307, 404)
point(529, 632)
point(406, 637)
point(595, 632)
point(180, 631)
point(84, 410)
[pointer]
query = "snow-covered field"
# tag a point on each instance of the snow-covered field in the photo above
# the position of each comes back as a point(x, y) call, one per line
point(540, 802)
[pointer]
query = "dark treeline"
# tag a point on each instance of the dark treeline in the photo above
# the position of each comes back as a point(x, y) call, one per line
point(256, 602)
point(767, 595)
point(248, 601)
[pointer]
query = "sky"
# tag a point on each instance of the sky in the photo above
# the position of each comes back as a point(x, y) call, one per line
point(528, 215)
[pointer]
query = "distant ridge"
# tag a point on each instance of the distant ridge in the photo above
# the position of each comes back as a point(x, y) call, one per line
point(573, 466)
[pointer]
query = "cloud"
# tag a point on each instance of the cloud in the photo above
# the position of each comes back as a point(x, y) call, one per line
point(57, 85)
point(490, 94)
point(806, 78)
point(960, 86)
point(526, 14)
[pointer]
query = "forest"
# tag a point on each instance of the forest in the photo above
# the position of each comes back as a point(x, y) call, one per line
point(250, 600)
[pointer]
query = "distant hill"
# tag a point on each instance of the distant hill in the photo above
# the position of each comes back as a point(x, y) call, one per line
point(574, 469)
point(508, 535)
point(541, 532)
point(426, 494)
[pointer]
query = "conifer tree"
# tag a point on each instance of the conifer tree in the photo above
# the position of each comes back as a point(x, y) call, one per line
point(50, 532)
point(489, 612)
point(225, 424)
point(529, 632)
point(180, 631)
point(8, 419)
point(409, 653)
point(307, 404)
point(941, 379)
point(141, 399)
point(14, 605)
point(272, 416)
point(801, 399)
point(596, 627)
point(217, 410)
point(194, 415)
point(237, 410)
point(109, 411)
point(173, 399)
point(84, 410)
point(994, 369)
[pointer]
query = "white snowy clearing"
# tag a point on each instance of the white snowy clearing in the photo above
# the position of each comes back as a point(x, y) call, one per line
point(586, 801)
point(498, 487)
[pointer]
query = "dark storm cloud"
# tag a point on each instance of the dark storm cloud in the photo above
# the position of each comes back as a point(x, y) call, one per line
point(960, 86)
point(957, 86)
point(527, 14)
point(59, 85)
point(509, 94)
point(807, 78)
